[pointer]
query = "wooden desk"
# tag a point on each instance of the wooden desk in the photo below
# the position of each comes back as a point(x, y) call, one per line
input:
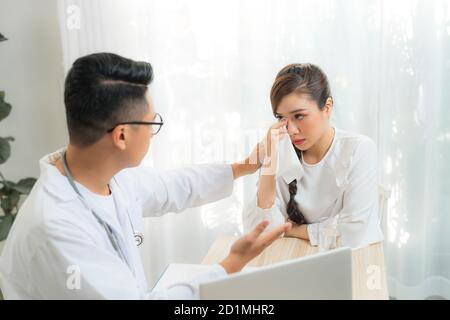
point(368, 266)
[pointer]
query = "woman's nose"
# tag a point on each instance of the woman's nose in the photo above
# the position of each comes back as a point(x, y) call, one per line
point(291, 128)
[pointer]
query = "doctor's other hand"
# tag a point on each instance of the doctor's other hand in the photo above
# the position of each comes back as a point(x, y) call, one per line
point(251, 245)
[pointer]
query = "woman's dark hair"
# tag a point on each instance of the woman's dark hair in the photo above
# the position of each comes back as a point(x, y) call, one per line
point(101, 90)
point(305, 79)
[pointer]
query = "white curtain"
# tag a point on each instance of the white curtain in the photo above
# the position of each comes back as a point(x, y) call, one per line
point(389, 67)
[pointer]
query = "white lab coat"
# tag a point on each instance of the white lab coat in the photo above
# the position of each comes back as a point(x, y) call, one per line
point(353, 164)
point(55, 236)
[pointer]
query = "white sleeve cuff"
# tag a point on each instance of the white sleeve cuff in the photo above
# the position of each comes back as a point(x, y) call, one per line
point(272, 214)
point(253, 215)
point(183, 290)
point(312, 233)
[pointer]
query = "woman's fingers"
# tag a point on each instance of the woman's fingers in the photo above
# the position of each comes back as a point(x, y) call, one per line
point(264, 148)
point(280, 124)
point(278, 128)
point(274, 132)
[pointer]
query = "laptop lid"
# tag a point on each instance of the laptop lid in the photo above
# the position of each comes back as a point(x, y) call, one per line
point(326, 275)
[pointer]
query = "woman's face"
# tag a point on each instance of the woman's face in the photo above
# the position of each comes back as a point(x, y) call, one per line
point(306, 123)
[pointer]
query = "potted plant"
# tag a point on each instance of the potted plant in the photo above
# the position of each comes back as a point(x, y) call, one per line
point(10, 192)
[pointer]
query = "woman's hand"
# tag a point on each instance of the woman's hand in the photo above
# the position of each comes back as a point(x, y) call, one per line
point(267, 180)
point(263, 153)
point(269, 147)
point(251, 245)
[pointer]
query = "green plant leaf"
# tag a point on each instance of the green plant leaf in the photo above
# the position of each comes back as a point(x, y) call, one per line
point(5, 150)
point(24, 186)
point(6, 186)
point(10, 201)
point(5, 110)
point(5, 225)
point(5, 107)
point(5, 190)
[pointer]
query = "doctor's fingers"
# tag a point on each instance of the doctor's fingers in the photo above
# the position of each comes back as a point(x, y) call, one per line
point(257, 155)
point(255, 233)
point(267, 238)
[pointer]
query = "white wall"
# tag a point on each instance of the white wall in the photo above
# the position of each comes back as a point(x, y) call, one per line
point(31, 74)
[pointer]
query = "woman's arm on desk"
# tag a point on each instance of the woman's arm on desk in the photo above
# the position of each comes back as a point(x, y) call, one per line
point(298, 231)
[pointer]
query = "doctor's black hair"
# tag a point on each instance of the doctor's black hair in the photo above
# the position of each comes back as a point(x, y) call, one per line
point(301, 78)
point(101, 90)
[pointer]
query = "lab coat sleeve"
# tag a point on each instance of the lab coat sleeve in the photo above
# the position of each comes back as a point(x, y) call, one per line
point(253, 214)
point(70, 265)
point(190, 289)
point(177, 190)
point(358, 219)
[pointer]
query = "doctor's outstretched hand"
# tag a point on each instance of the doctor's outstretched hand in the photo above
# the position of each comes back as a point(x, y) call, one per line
point(251, 245)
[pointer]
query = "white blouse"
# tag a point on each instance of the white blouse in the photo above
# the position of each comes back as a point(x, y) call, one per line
point(343, 183)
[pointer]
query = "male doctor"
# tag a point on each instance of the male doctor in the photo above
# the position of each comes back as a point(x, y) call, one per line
point(78, 233)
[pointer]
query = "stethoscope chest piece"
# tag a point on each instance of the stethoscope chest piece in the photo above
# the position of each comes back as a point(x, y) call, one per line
point(138, 238)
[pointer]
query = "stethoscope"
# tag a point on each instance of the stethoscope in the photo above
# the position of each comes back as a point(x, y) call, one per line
point(138, 236)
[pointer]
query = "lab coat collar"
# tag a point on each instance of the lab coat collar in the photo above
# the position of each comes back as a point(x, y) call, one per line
point(53, 181)
point(57, 184)
point(59, 187)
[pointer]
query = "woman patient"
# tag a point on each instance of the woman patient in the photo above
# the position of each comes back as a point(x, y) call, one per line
point(324, 174)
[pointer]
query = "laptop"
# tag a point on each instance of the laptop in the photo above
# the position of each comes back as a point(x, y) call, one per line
point(326, 276)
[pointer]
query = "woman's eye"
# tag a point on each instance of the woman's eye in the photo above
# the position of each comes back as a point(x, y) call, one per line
point(299, 117)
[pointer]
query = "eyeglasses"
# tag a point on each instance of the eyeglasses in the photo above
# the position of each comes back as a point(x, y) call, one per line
point(156, 124)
